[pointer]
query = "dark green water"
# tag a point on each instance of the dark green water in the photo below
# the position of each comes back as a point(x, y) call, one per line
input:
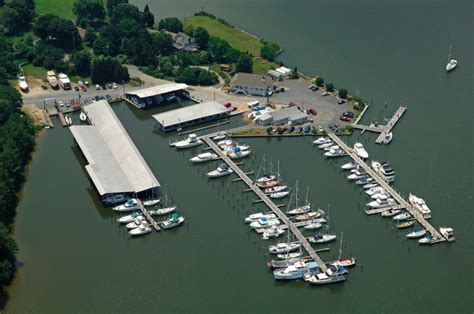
point(75, 258)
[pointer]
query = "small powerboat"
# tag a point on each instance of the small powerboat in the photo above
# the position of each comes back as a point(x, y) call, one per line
point(416, 233)
point(322, 140)
point(299, 210)
point(222, 170)
point(204, 157)
point(349, 166)
point(257, 216)
point(140, 230)
point(162, 211)
point(129, 218)
point(172, 222)
point(406, 224)
point(151, 202)
point(275, 189)
point(289, 255)
point(402, 216)
point(313, 226)
point(264, 223)
point(130, 205)
point(322, 238)
point(390, 212)
point(191, 141)
point(360, 151)
point(387, 138)
point(447, 233)
point(277, 195)
point(284, 247)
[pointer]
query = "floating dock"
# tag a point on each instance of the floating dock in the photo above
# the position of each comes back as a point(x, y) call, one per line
point(382, 129)
point(147, 215)
point(286, 221)
point(437, 237)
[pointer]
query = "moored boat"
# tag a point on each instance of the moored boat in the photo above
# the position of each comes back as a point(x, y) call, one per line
point(390, 212)
point(279, 194)
point(322, 140)
point(313, 226)
point(416, 233)
point(296, 271)
point(387, 138)
point(141, 230)
point(275, 189)
point(428, 239)
point(129, 218)
point(326, 145)
point(419, 205)
point(322, 238)
point(289, 255)
point(284, 247)
point(324, 279)
point(191, 141)
point(447, 233)
point(174, 221)
point(204, 157)
point(299, 210)
point(360, 151)
point(346, 262)
point(272, 232)
point(402, 216)
point(83, 116)
point(130, 205)
point(406, 224)
point(257, 216)
point(264, 223)
point(222, 170)
point(151, 202)
point(239, 154)
point(136, 223)
point(349, 166)
point(308, 215)
point(162, 211)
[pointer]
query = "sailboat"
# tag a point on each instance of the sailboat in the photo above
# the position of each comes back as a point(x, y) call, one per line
point(346, 262)
point(299, 210)
point(452, 63)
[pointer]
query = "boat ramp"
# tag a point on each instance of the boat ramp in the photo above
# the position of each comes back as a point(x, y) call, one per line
point(437, 237)
point(286, 221)
point(383, 129)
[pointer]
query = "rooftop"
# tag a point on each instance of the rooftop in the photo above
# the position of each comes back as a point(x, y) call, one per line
point(252, 80)
point(190, 113)
point(158, 90)
point(114, 163)
point(286, 113)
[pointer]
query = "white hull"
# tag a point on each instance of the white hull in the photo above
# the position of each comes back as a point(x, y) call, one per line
point(349, 166)
point(239, 155)
point(388, 138)
point(416, 234)
point(279, 194)
point(321, 141)
point(129, 218)
point(264, 223)
point(162, 211)
point(83, 117)
point(171, 223)
point(151, 202)
point(204, 157)
point(324, 238)
point(257, 216)
point(313, 226)
point(218, 174)
point(275, 189)
point(299, 210)
point(139, 231)
point(283, 248)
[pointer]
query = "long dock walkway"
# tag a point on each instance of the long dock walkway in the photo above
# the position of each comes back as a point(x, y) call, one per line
point(438, 237)
point(147, 215)
point(307, 246)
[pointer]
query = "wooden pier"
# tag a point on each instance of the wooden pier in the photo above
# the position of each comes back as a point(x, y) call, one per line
point(286, 221)
point(382, 129)
point(437, 237)
point(147, 215)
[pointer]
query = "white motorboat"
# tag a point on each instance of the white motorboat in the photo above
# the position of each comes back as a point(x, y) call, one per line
point(322, 140)
point(378, 203)
point(136, 223)
point(324, 279)
point(264, 223)
point(219, 137)
point(402, 216)
point(417, 233)
point(370, 185)
point(322, 238)
point(363, 181)
point(405, 224)
point(115, 198)
point(360, 151)
point(349, 166)
point(130, 205)
point(299, 210)
point(162, 211)
point(345, 262)
point(83, 116)
point(68, 119)
point(383, 170)
point(141, 230)
point(335, 152)
point(191, 141)
point(284, 247)
point(289, 255)
point(266, 178)
point(172, 222)
point(257, 216)
point(275, 189)
point(447, 233)
point(375, 190)
point(277, 195)
point(390, 212)
point(151, 202)
point(296, 271)
point(326, 145)
point(222, 170)
point(333, 147)
point(387, 138)
point(22, 83)
point(419, 205)
point(428, 239)
point(272, 232)
point(313, 226)
point(235, 147)
point(452, 63)
point(129, 218)
point(239, 154)
point(381, 196)
point(225, 143)
point(359, 174)
point(204, 157)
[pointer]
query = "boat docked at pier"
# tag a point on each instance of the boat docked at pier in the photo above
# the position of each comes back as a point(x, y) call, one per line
point(326, 145)
point(402, 216)
point(390, 212)
point(222, 170)
point(190, 141)
point(238, 154)
point(264, 223)
point(313, 225)
point(278, 195)
point(174, 221)
point(360, 151)
point(334, 152)
point(289, 255)
point(416, 233)
point(357, 175)
point(162, 211)
point(275, 264)
point(130, 205)
point(447, 233)
point(140, 230)
point(322, 140)
point(129, 218)
point(284, 247)
point(383, 170)
point(300, 210)
point(257, 216)
point(405, 224)
point(322, 238)
point(324, 279)
point(349, 166)
point(272, 232)
point(151, 202)
point(387, 138)
point(420, 206)
point(309, 215)
point(204, 157)
point(275, 189)
point(296, 271)
point(136, 223)
point(378, 203)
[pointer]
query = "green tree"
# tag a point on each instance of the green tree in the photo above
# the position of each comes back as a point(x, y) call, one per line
point(108, 69)
point(125, 11)
point(319, 81)
point(88, 12)
point(244, 64)
point(188, 29)
point(82, 63)
point(61, 32)
point(269, 51)
point(329, 87)
point(342, 93)
point(90, 36)
point(111, 4)
point(25, 10)
point(295, 74)
point(171, 24)
point(201, 36)
point(9, 20)
point(163, 43)
point(148, 17)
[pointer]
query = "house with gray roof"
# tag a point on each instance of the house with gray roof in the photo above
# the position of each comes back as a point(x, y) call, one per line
point(251, 84)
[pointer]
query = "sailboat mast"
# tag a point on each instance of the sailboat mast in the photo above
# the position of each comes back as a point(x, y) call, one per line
point(307, 193)
point(450, 50)
point(296, 199)
point(340, 248)
point(278, 171)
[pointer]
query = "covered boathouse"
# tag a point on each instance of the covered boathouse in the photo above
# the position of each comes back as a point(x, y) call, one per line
point(155, 95)
point(114, 163)
point(190, 115)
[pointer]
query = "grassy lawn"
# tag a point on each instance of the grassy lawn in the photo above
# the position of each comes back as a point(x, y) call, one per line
point(261, 66)
point(34, 71)
point(62, 8)
point(236, 38)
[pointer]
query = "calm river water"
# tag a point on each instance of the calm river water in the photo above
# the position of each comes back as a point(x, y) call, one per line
point(75, 258)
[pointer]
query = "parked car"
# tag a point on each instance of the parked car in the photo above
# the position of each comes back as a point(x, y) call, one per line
point(312, 111)
point(114, 85)
point(97, 86)
point(60, 103)
point(341, 101)
point(345, 118)
point(334, 127)
point(68, 104)
point(97, 97)
point(84, 88)
point(349, 114)
point(326, 94)
point(76, 88)
point(315, 88)
point(109, 98)
point(228, 105)
point(108, 85)
point(80, 83)
point(282, 89)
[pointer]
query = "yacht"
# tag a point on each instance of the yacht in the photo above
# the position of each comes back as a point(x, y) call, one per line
point(334, 152)
point(238, 154)
point(420, 206)
point(387, 138)
point(257, 216)
point(172, 222)
point(324, 279)
point(222, 170)
point(391, 212)
point(299, 210)
point(402, 216)
point(266, 178)
point(219, 137)
point(416, 233)
point(162, 211)
point(204, 157)
point(384, 170)
point(333, 147)
point(281, 194)
point(289, 255)
point(191, 141)
point(129, 218)
point(151, 202)
point(136, 223)
point(326, 145)
point(322, 140)
point(345, 262)
point(375, 190)
point(370, 185)
point(264, 223)
point(447, 233)
point(275, 189)
point(452, 63)
point(272, 232)
point(405, 224)
point(141, 230)
point(22, 83)
point(349, 166)
point(364, 181)
point(267, 184)
point(130, 205)
point(428, 239)
point(284, 248)
point(322, 238)
point(359, 174)
point(382, 196)
point(115, 198)
point(378, 203)
point(296, 271)
point(360, 151)
point(276, 264)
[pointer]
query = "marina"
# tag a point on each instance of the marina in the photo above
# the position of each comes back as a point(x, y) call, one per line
point(384, 130)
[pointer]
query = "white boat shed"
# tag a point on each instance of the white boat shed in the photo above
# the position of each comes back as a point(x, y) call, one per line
point(115, 165)
point(155, 95)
